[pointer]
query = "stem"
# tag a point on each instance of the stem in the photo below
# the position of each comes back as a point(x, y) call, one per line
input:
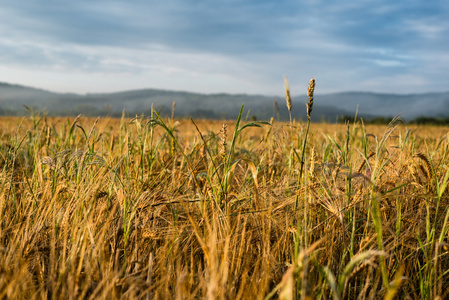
point(303, 154)
point(291, 128)
point(301, 168)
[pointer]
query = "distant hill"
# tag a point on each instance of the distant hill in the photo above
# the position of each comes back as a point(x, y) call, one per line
point(220, 106)
point(409, 106)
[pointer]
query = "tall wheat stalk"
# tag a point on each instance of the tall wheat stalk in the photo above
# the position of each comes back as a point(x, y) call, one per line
point(309, 104)
point(288, 102)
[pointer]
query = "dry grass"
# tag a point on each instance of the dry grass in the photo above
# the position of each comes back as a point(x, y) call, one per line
point(112, 209)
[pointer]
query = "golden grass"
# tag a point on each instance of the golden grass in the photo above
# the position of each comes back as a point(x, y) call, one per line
point(110, 209)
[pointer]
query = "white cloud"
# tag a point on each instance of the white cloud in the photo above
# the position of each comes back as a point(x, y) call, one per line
point(428, 28)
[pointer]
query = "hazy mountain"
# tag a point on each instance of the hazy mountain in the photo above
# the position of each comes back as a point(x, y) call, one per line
point(326, 107)
point(409, 106)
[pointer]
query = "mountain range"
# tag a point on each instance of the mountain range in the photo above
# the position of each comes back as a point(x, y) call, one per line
point(328, 107)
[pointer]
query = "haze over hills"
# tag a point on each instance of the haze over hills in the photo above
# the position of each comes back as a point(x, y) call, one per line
point(221, 106)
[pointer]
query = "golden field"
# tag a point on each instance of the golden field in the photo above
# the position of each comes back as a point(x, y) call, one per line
point(155, 208)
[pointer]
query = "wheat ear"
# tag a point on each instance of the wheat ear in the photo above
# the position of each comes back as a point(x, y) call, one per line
point(427, 164)
point(310, 91)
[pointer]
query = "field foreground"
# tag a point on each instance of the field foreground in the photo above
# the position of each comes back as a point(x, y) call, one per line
point(157, 209)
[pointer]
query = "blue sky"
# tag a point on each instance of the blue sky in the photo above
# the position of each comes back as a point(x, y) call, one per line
point(226, 46)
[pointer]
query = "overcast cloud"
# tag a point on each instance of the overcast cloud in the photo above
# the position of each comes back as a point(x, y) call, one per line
point(225, 46)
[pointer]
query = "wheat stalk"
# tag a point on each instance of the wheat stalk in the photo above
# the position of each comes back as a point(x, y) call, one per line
point(223, 144)
point(173, 111)
point(312, 164)
point(310, 91)
point(362, 164)
point(428, 166)
point(288, 99)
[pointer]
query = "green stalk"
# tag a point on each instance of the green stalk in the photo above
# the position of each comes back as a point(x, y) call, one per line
point(309, 105)
point(303, 154)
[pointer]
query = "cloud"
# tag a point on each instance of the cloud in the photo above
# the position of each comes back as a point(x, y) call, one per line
point(230, 46)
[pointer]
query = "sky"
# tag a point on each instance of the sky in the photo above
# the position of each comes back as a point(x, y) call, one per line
point(226, 46)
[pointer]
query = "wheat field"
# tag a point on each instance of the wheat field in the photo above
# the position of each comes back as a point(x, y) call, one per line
point(159, 208)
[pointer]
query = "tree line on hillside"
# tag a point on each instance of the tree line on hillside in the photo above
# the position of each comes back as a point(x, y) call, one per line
point(164, 111)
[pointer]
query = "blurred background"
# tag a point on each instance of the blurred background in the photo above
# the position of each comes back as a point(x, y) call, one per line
point(67, 57)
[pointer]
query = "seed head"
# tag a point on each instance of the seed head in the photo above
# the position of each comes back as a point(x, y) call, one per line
point(312, 164)
point(288, 99)
point(173, 110)
point(49, 162)
point(428, 166)
point(309, 103)
point(223, 143)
